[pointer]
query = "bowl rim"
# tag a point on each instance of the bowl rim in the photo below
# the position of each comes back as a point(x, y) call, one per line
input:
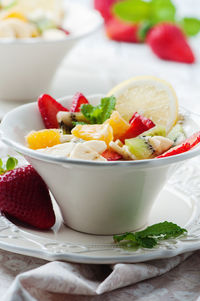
point(147, 163)
point(70, 37)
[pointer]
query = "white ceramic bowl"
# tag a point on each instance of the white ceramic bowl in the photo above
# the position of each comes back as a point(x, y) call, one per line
point(95, 197)
point(29, 65)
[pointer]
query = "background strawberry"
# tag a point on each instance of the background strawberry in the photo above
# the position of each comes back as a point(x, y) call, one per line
point(121, 31)
point(104, 7)
point(24, 196)
point(49, 108)
point(169, 43)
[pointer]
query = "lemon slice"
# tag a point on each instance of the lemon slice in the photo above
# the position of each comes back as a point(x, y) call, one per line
point(149, 96)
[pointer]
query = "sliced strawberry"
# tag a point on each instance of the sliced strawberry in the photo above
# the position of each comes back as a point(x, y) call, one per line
point(49, 108)
point(64, 30)
point(185, 146)
point(24, 196)
point(138, 125)
point(78, 100)
point(121, 31)
point(168, 42)
point(111, 155)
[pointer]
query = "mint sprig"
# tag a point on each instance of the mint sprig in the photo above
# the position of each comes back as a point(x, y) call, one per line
point(153, 12)
point(99, 114)
point(150, 237)
point(10, 164)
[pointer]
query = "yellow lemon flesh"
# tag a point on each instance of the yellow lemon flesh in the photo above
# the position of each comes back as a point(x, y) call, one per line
point(149, 96)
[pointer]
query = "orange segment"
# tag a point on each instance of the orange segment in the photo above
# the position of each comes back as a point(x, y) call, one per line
point(16, 15)
point(118, 124)
point(102, 132)
point(43, 139)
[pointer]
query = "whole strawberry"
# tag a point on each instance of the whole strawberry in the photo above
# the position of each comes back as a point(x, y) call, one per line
point(169, 43)
point(24, 196)
point(122, 31)
point(104, 7)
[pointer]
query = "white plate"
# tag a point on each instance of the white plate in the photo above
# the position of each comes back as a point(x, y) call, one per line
point(178, 202)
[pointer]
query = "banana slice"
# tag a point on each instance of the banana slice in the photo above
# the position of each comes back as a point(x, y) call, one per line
point(122, 150)
point(160, 144)
point(59, 150)
point(68, 118)
point(97, 146)
point(82, 152)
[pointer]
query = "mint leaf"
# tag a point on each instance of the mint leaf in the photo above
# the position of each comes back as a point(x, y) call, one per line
point(1, 163)
point(99, 114)
point(132, 10)
point(149, 237)
point(162, 10)
point(11, 163)
point(107, 105)
point(191, 26)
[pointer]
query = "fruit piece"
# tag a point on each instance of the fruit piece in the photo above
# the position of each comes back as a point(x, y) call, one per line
point(83, 152)
point(148, 147)
point(49, 108)
point(157, 130)
point(118, 124)
point(94, 132)
point(104, 7)
point(168, 42)
point(64, 30)
point(66, 120)
point(78, 100)
point(177, 134)
point(140, 148)
point(111, 155)
point(185, 146)
point(16, 15)
point(149, 96)
point(138, 125)
point(43, 139)
point(24, 195)
point(122, 150)
point(122, 31)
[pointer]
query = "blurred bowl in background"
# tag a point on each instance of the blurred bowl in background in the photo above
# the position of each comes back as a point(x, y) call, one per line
point(29, 65)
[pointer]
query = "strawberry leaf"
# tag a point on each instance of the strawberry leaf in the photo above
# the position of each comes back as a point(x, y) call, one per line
point(162, 10)
point(132, 11)
point(191, 26)
point(11, 163)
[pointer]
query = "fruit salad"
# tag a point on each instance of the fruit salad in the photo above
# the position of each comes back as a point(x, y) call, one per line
point(137, 120)
point(32, 19)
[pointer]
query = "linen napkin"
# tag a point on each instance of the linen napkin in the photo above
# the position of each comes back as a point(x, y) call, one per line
point(69, 281)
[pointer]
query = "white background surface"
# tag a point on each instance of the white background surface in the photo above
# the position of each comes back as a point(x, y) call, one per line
point(96, 64)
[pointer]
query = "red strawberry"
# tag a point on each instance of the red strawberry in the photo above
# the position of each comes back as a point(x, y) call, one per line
point(121, 31)
point(78, 100)
point(49, 108)
point(24, 195)
point(111, 155)
point(104, 7)
point(138, 125)
point(169, 43)
point(185, 146)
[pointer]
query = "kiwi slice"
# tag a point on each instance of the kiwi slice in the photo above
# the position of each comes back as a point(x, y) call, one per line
point(177, 134)
point(140, 147)
point(157, 130)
